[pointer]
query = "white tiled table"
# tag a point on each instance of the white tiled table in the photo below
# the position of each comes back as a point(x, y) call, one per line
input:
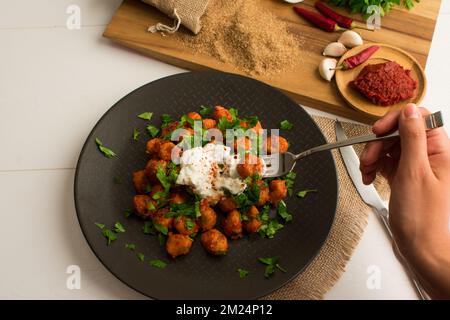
point(54, 85)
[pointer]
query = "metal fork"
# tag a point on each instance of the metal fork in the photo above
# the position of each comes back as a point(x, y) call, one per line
point(277, 165)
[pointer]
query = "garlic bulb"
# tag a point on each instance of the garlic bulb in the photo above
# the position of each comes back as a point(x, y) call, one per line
point(335, 49)
point(327, 68)
point(351, 39)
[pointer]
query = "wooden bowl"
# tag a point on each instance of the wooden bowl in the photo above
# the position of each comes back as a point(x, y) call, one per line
point(384, 54)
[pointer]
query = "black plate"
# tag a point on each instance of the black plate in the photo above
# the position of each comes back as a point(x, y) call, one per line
point(199, 276)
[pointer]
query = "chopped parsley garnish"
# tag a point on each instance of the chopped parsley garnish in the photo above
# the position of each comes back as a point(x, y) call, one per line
point(110, 236)
point(158, 195)
point(158, 263)
point(118, 228)
point(161, 175)
point(189, 224)
point(271, 263)
point(161, 239)
point(147, 188)
point(166, 119)
point(130, 246)
point(146, 116)
point(152, 130)
point(127, 213)
point(140, 256)
point(303, 193)
point(106, 151)
point(290, 180)
point(161, 229)
point(270, 228)
point(204, 110)
point(136, 134)
point(149, 228)
point(243, 273)
point(251, 121)
point(100, 225)
point(282, 211)
point(286, 125)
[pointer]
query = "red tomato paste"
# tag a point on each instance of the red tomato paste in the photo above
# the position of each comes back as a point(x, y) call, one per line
point(385, 84)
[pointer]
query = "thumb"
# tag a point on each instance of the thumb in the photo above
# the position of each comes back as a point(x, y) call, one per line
point(413, 136)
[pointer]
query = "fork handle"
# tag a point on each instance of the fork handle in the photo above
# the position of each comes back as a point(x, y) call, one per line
point(345, 143)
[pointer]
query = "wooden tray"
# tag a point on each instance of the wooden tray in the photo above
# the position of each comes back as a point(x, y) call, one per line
point(129, 27)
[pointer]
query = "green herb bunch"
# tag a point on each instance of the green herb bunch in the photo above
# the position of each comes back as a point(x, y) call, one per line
point(384, 5)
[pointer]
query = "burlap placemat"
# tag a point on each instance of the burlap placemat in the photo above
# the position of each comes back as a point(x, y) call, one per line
point(351, 218)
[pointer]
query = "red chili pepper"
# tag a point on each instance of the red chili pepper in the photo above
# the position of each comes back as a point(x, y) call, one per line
point(318, 20)
point(356, 60)
point(342, 21)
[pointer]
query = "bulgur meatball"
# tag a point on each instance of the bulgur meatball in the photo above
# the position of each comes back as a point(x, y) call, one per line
point(165, 150)
point(144, 206)
point(169, 128)
point(278, 191)
point(214, 242)
point(178, 244)
point(253, 212)
point(185, 225)
point(152, 167)
point(220, 112)
point(152, 147)
point(178, 197)
point(194, 116)
point(243, 143)
point(252, 225)
point(252, 164)
point(156, 191)
point(263, 193)
point(208, 216)
point(159, 217)
point(209, 123)
point(140, 181)
point(276, 144)
point(232, 225)
point(227, 204)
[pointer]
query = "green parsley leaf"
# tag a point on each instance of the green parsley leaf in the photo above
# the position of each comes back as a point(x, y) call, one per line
point(290, 181)
point(110, 236)
point(161, 229)
point(130, 246)
point(282, 211)
point(189, 224)
point(251, 121)
point(118, 228)
point(243, 273)
point(136, 134)
point(158, 263)
point(166, 119)
point(140, 256)
point(303, 193)
point(146, 116)
point(269, 271)
point(100, 225)
point(152, 130)
point(148, 228)
point(204, 111)
point(197, 209)
point(127, 213)
point(270, 228)
point(234, 114)
point(106, 151)
point(286, 125)
point(161, 175)
point(269, 260)
point(158, 195)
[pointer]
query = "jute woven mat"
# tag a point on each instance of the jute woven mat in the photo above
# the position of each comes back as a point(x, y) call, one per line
point(351, 218)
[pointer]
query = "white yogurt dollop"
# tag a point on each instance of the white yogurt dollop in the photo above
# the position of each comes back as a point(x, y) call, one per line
point(210, 170)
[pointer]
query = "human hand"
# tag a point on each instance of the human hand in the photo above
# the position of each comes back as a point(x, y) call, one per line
point(417, 168)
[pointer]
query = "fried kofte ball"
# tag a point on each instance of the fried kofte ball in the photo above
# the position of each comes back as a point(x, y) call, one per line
point(194, 116)
point(159, 218)
point(157, 191)
point(178, 244)
point(232, 225)
point(227, 204)
point(165, 150)
point(153, 145)
point(152, 168)
point(276, 144)
point(178, 197)
point(221, 112)
point(208, 217)
point(140, 181)
point(144, 206)
point(278, 191)
point(253, 224)
point(185, 225)
point(252, 165)
point(214, 242)
point(242, 143)
point(263, 193)
point(169, 128)
point(209, 124)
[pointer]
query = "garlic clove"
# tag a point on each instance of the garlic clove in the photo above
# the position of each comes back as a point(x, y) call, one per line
point(334, 49)
point(327, 68)
point(351, 39)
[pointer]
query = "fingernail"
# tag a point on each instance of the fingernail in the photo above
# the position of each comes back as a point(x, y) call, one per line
point(411, 111)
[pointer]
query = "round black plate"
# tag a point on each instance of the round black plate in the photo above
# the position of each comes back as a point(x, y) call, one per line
point(199, 276)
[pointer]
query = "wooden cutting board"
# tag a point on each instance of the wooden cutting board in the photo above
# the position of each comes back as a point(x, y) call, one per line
point(411, 31)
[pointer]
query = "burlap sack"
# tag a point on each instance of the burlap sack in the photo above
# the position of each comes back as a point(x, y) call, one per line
point(185, 12)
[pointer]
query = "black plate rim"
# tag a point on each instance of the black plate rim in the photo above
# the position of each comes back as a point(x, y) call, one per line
point(88, 138)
